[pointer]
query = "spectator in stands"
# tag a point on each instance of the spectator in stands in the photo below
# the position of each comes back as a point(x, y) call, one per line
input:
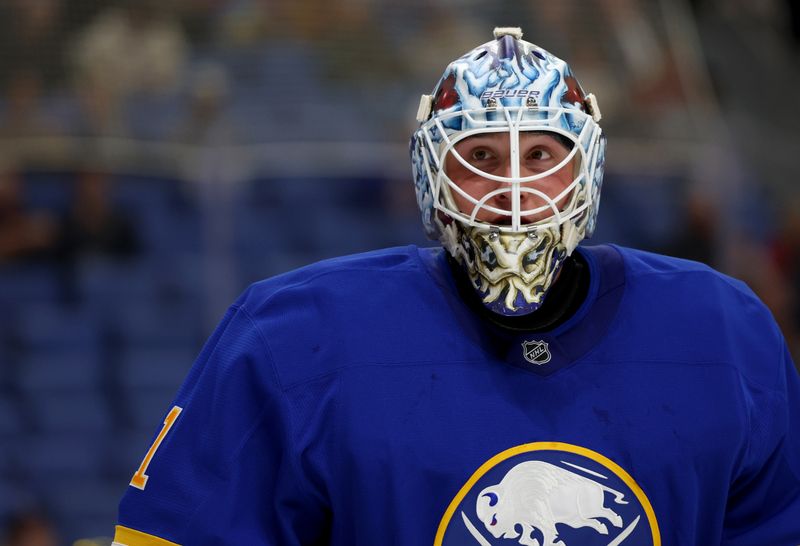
point(31, 34)
point(786, 248)
point(30, 529)
point(357, 23)
point(93, 226)
point(207, 122)
point(200, 19)
point(24, 234)
point(794, 21)
point(135, 47)
point(23, 116)
point(696, 238)
point(750, 261)
point(445, 28)
point(786, 254)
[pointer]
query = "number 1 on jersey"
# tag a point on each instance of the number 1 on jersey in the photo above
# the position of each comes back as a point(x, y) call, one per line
point(139, 479)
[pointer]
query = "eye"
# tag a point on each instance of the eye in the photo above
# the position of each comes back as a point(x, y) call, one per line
point(540, 154)
point(480, 154)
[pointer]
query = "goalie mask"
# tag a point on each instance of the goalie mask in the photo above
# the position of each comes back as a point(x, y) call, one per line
point(508, 165)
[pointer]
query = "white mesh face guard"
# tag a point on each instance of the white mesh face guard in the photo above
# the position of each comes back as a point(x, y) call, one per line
point(512, 263)
point(513, 121)
point(511, 254)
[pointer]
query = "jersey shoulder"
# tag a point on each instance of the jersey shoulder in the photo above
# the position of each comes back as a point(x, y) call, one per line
point(671, 281)
point(669, 271)
point(694, 313)
point(362, 266)
point(363, 308)
point(644, 262)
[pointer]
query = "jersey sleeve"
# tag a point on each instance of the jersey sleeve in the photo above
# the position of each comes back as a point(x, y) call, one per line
point(764, 501)
point(223, 467)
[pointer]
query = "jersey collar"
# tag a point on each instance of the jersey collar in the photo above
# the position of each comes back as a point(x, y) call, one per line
point(549, 350)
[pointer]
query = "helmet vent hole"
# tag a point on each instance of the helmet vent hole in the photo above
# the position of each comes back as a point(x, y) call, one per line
point(480, 55)
point(539, 54)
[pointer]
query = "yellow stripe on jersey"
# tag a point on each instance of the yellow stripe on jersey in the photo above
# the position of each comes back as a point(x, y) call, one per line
point(131, 537)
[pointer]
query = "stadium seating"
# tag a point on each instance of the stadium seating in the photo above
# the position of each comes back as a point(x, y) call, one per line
point(91, 356)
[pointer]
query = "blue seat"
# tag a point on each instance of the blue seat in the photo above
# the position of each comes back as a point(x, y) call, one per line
point(403, 231)
point(47, 190)
point(147, 406)
point(70, 411)
point(113, 286)
point(259, 194)
point(90, 513)
point(11, 423)
point(183, 281)
point(155, 368)
point(43, 458)
point(49, 326)
point(259, 231)
point(14, 496)
point(169, 231)
point(28, 284)
point(12, 427)
point(338, 231)
point(141, 195)
point(115, 282)
point(89, 530)
point(640, 209)
point(185, 231)
point(39, 373)
point(148, 324)
point(309, 192)
point(7, 358)
point(166, 217)
point(96, 529)
point(255, 267)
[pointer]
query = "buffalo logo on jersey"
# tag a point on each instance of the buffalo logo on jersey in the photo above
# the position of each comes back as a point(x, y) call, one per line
point(549, 494)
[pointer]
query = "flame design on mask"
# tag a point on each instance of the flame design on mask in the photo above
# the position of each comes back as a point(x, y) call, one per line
point(512, 272)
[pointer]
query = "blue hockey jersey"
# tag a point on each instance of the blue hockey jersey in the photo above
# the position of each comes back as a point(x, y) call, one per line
point(361, 402)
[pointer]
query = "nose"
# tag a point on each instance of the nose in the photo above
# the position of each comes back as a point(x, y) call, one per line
point(502, 200)
point(527, 199)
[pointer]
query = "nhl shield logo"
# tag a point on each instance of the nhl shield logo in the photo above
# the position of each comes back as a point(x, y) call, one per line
point(536, 352)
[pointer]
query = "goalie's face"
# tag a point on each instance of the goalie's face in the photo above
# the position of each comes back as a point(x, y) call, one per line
point(492, 154)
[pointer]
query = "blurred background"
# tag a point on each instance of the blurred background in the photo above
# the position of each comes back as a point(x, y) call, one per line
point(156, 157)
